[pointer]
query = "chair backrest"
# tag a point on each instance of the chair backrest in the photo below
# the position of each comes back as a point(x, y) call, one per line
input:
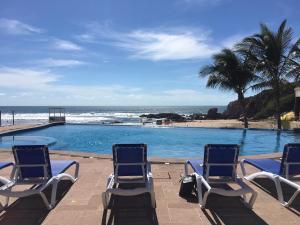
point(32, 161)
point(130, 159)
point(290, 162)
point(220, 160)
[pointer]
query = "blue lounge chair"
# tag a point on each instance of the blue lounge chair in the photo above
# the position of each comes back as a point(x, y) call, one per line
point(130, 166)
point(219, 166)
point(278, 171)
point(3, 165)
point(33, 166)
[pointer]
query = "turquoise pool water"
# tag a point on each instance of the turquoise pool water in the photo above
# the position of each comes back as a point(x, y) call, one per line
point(162, 142)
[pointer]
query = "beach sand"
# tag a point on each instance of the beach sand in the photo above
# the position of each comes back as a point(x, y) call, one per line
point(231, 123)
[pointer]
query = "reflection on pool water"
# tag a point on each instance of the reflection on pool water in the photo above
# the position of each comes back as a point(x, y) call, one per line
point(8, 141)
point(162, 142)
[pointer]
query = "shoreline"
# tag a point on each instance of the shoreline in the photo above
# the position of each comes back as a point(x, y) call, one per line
point(219, 123)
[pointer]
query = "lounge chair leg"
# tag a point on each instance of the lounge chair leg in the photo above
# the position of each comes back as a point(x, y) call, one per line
point(252, 199)
point(186, 170)
point(105, 200)
point(48, 205)
point(286, 204)
point(199, 190)
point(242, 164)
point(54, 192)
point(76, 170)
point(152, 194)
point(278, 189)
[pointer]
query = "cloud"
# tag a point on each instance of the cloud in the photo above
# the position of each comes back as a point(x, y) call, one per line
point(159, 44)
point(156, 46)
point(26, 78)
point(66, 45)
point(16, 27)
point(231, 41)
point(89, 38)
point(179, 43)
point(50, 62)
point(41, 87)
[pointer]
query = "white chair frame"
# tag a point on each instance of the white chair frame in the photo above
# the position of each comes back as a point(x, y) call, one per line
point(277, 179)
point(113, 181)
point(39, 185)
point(242, 191)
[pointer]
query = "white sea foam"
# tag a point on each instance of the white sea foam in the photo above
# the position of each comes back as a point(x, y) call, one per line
point(88, 117)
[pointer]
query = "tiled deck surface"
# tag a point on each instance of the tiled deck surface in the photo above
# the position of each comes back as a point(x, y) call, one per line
point(81, 204)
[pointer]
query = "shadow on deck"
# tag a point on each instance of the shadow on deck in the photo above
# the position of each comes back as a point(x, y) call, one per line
point(133, 210)
point(31, 210)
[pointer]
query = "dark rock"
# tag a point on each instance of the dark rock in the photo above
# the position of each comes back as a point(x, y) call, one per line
point(197, 116)
point(212, 114)
point(170, 116)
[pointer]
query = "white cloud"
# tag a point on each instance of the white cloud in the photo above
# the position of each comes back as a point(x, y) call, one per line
point(89, 38)
point(25, 78)
point(179, 43)
point(158, 44)
point(2, 94)
point(232, 40)
point(41, 87)
point(16, 27)
point(66, 45)
point(50, 62)
point(167, 46)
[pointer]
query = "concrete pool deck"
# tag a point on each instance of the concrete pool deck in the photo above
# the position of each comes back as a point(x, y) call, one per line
point(81, 203)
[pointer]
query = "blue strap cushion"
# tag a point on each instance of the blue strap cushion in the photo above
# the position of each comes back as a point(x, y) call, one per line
point(5, 164)
point(131, 154)
point(291, 154)
point(267, 165)
point(60, 166)
point(29, 155)
point(220, 153)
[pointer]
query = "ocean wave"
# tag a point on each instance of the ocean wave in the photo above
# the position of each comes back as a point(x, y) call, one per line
point(87, 117)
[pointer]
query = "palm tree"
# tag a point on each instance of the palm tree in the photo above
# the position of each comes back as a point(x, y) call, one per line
point(228, 72)
point(275, 59)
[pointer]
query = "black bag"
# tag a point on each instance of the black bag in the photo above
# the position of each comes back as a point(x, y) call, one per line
point(188, 186)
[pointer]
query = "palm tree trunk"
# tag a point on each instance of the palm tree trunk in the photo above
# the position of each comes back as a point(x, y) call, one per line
point(277, 106)
point(243, 105)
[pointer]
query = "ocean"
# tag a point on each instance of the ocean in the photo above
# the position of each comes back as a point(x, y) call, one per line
point(95, 114)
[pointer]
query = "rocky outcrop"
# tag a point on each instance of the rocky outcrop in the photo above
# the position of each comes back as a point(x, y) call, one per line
point(170, 116)
point(261, 106)
point(212, 114)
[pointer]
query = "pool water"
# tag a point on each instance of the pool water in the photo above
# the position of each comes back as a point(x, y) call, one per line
point(162, 142)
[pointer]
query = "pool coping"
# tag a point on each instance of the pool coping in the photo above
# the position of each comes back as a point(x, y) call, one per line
point(33, 127)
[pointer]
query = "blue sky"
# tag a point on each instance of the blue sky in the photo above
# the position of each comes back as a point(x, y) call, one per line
point(123, 52)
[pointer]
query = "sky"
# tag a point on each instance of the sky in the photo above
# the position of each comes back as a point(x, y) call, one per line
point(123, 52)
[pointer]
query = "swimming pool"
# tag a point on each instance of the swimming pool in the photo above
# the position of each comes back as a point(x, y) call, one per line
point(162, 142)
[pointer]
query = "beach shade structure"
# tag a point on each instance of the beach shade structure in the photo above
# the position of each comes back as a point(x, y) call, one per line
point(219, 167)
point(130, 166)
point(278, 171)
point(34, 167)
